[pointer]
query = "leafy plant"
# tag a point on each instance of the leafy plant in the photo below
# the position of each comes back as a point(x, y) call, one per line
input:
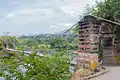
point(54, 67)
point(100, 52)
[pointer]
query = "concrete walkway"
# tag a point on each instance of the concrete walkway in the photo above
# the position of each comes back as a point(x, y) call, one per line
point(112, 74)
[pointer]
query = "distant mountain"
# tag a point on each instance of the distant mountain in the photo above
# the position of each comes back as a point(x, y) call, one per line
point(61, 32)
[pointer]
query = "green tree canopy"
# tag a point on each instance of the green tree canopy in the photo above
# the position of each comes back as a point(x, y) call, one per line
point(108, 9)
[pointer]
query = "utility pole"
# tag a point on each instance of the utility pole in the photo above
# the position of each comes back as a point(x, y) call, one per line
point(6, 44)
point(15, 43)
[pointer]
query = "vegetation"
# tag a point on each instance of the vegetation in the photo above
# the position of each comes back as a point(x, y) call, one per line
point(100, 52)
point(54, 67)
point(48, 42)
point(14, 65)
point(10, 40)
point(108, 9)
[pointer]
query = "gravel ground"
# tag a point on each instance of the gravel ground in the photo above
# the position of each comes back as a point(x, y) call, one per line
point(112, 74)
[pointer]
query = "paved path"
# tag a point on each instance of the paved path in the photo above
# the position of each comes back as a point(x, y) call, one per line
point(112, 74)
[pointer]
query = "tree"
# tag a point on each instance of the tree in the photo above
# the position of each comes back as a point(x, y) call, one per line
point(108, 9)
point(10, 41)
point(59, 43)
point(75, 30)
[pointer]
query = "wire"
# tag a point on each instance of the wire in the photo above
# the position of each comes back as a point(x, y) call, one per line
point(69, 29)
point(95, 17)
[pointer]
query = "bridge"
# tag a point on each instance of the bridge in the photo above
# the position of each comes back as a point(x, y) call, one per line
point(26, 52)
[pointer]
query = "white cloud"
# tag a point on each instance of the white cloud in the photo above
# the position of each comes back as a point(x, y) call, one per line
point(26, 16)
point(42, 14)
point(60, 27)
point(30, 12)
point(44, 10)
point(54, 26)
point(71, 8)
point(67, 25)
point(10, 15)
point(14, 2)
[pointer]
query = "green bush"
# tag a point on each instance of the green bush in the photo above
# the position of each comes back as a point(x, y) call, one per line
point(54, 67)
point(100, 51)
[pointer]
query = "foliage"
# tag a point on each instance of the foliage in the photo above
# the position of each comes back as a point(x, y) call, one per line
point(75, 30)
point(117, 58)
point(54, 67)
point(108, 9)
point(48, 42)
point(100, 52)
point(1, 42)
point(10, 41)
point(59, 43)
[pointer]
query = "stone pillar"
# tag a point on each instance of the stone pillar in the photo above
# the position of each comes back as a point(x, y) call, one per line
point(88, 39)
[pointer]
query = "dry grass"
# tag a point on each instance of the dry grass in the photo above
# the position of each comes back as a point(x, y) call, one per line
point(117, 58)
point(81, 73)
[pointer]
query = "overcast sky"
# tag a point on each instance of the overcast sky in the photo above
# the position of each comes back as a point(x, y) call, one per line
point(39, 16)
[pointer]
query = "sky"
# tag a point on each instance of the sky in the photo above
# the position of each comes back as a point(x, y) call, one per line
point(20, 17)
